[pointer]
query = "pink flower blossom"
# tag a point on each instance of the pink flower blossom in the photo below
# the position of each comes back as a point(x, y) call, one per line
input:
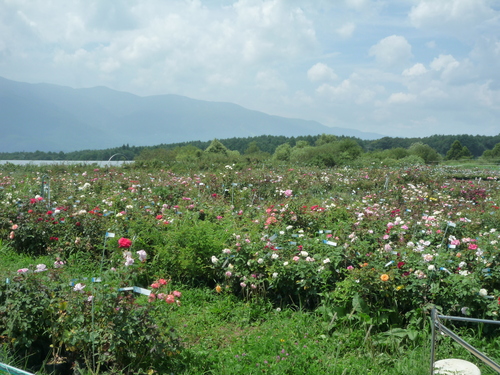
point(79, 287)
point(288, 193)
point(177, 294)
point(124, 243)
point(41, 268)
point(142, 255)
point(170, 299)
point(22, 270)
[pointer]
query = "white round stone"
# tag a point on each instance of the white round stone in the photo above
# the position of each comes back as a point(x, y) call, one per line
point(455, 367)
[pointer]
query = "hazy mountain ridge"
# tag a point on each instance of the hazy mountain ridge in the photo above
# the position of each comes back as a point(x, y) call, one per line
point(48, 117)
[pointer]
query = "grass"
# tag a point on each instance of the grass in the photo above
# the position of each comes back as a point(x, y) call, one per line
point(223, 334)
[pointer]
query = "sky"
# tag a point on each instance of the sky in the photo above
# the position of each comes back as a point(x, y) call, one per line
point(400, 68)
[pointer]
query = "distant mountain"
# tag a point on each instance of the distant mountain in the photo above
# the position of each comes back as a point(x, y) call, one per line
point(48, 117)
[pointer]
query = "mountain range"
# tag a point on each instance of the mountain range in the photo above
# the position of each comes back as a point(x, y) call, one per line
point(48, 117)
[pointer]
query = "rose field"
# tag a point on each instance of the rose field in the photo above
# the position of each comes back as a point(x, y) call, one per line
point(245, 269)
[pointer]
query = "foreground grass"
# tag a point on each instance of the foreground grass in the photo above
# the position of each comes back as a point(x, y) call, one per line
point(223, 334)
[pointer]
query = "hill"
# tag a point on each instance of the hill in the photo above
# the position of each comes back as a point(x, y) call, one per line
point(55, 118)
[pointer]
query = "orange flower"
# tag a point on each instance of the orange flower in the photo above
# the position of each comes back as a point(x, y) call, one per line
point(384, 277)
point(218, 289)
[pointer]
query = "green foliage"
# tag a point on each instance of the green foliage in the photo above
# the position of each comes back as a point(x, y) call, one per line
point(45, 317)
point(325, 138)
point(188, 248)
point(155, 154)
point(216, 147)
point(328, 154)
point(355, 255)
point(424, 151)
point(188, 153)
point(283, 152)
point(457, 151)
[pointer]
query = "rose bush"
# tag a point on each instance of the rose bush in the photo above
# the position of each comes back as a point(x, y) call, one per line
point(376, 243)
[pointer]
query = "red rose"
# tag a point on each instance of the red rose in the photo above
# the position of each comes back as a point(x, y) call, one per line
point(124, 243)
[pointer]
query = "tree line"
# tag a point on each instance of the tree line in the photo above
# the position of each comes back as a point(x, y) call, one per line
point(323, 149)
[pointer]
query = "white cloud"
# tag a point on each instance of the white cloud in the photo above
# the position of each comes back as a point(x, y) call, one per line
point(357, 4)
point(393, 50)
point(348, 91)
point(415, 70)
point(220, 79)
point(346, 30)
point(321, 72)
point(401, 97)
point(270, 80)
point(255, 53)
point(449, 13)
point(109, 65)
point(344, 88)
point(444, 62)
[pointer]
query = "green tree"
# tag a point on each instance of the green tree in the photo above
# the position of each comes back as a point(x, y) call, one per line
point(158, 153)
point(252, 148)
point(301, 144)
point(325, 138)
point(188, 153)
point(283, 152)
point(457, 151)
point(492, 154)
point(216, 147)
point(424, 151)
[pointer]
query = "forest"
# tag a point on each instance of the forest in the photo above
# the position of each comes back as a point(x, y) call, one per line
point(431, 149)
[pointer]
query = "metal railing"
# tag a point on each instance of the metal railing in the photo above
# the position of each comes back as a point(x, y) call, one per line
point(4, 368)
point(437, 326)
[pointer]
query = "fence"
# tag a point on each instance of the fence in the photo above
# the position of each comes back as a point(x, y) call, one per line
point(438, 327)
point(6, 369)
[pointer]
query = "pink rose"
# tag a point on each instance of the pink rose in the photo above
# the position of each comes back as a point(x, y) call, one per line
point(124, 243)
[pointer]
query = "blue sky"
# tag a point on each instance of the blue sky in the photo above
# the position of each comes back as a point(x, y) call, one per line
point(408, 68)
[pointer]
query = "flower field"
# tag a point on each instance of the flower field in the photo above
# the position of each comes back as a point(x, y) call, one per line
point(371, 247)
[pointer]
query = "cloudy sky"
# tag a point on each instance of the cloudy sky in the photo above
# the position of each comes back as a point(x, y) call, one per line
point(409, 68)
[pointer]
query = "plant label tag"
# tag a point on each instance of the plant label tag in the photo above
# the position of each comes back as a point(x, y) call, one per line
point(146, 292)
